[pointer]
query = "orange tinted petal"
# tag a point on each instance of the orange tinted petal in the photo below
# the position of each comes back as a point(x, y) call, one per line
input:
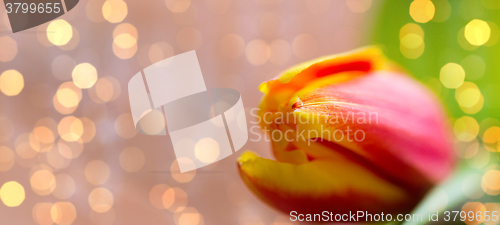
point(336, 185)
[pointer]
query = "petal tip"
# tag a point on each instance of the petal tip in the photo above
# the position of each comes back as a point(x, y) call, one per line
point(246, 157)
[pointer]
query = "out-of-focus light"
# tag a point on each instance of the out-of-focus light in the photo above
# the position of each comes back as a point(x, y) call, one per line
point(257, 52)
point(410, 28)
point(188, 216)
point(470, 151)
point(477, 32)
point(168, 199)
point(175, 200)
point(188, 17)
point(63, 213)
point(93, 10)
point(35, 143)
point(125, 28)
point(177, 6)
point(422, 10)
point(67, 97)
point(59, 32)
point(70, 128)
point(149, 125)
point(469, 98)
point(43, 182)
point(61, 101)
point(97, 172)
point(23, 147)
point(159, 51)
point(84, 75)
point(73, 42)
point(207, 150)
point(101, 200)
point(412, 41)
point(125, 38)
point(176, 173)
point(7, 158)
point(359, 6)
point(466, 128)
point(44, 134)
point(468, 94)
point(88, 130)
point(114, 11)
point(41, 35)
point(70, 150)
point(491, 182)
point(55, 159)
point(65, 186)
point(492, 207)
point(462, 41)
point(492, 135)
point(12, 194)
point(132, 159)
point(11, 82)
point(156, 195)
point(481, 159)
point(9, 49)
point(494, 35)
point(124, 53)
point(42, 213)
point(477, 209)
point(411, 38)
point(442, 11)
point(452, 75)
point(124, 126)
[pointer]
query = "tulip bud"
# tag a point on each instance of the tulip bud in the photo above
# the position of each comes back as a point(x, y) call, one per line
point(350, 132)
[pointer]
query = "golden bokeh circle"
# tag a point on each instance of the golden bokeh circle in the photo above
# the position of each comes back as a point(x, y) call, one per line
point(422, 11)
point(11, 82)
point(59, 32)
point(207, 150)
point(12, 194)
point(452, 75)
point(101, 200)
point(84, 75)
point(477, 32)
point(114, 11)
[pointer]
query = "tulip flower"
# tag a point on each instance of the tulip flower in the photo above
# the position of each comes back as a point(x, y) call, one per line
point(350, 132)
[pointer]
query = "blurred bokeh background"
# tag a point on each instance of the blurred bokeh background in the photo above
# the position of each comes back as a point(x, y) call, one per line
point(452, 46)
point(69, 153)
